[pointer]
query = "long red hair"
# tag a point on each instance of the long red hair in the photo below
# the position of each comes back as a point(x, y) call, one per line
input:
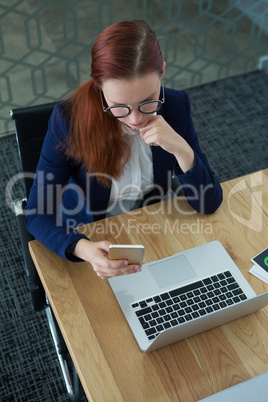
point(124, 50)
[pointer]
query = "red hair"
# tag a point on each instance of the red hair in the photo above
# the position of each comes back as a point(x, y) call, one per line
point(125, 50)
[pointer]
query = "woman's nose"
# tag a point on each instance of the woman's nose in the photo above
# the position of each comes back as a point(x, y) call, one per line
point(135, 117)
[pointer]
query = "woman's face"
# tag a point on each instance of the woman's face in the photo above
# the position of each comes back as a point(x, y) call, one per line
point(132, 93)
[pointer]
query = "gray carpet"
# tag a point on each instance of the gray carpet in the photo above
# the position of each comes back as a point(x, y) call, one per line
point(231, 118)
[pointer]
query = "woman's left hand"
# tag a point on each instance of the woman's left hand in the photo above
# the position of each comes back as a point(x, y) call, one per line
point(158, 132)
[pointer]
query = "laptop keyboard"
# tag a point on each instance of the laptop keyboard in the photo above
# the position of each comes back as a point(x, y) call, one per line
point(187, 303)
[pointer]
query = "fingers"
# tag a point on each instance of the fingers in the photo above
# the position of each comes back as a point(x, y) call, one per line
point(152, 132)
point(153, 121)
point(115, 268)
point(149, 135)
point(150, 127)
point(97, 254)
point(106, 268)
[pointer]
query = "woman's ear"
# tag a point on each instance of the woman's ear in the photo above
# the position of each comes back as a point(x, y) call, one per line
point(163, 69)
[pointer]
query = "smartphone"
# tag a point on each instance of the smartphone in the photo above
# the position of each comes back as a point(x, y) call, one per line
point(132, 252)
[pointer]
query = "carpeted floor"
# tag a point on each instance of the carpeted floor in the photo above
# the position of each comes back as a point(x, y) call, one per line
point(231, 118)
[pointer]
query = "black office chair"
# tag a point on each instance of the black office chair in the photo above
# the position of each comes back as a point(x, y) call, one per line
point(31, 125)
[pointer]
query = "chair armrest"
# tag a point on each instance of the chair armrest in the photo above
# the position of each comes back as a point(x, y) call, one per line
point(35, 285)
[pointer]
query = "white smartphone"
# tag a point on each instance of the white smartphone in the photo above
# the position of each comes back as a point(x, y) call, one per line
point(132, 252)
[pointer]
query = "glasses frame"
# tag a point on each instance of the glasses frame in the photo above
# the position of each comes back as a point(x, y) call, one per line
point(109, 108)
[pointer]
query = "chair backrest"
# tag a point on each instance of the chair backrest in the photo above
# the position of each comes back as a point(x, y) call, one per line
point(31, 124)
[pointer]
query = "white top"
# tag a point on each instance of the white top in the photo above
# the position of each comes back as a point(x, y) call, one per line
point(137, 179)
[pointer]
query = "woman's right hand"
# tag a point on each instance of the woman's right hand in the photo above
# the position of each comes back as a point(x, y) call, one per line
point(97, 254)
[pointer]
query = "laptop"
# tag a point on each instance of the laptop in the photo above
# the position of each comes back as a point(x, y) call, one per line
point(182, 295)
point(254, 389)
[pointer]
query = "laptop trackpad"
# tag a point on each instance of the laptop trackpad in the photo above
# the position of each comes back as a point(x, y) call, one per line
point(171, 271)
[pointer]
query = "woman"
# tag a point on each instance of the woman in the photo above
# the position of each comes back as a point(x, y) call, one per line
point(113, 145)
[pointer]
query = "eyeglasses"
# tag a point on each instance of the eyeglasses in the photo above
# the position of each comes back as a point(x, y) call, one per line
point(148, 107)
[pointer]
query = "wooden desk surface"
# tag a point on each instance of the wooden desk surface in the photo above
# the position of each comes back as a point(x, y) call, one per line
point(109, 362)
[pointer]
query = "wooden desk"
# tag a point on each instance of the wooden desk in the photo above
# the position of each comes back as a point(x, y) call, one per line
point(108, 360)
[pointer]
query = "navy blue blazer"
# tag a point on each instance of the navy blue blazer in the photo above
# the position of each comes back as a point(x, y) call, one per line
point(64, 196)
